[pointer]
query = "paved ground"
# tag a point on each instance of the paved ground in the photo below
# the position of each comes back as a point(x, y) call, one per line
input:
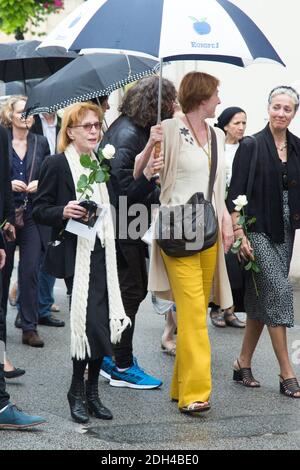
point(241, 418)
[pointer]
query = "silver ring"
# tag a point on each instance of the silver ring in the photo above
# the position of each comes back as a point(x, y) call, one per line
point(10, 230)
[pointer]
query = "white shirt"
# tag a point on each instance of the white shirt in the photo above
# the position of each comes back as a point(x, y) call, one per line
point(230, 151)
point(49, 131)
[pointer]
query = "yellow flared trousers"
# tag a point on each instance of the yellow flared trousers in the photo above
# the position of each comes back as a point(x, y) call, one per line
point(191, 279)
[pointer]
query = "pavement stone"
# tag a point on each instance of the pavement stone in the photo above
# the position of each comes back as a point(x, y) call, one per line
point(241, 418)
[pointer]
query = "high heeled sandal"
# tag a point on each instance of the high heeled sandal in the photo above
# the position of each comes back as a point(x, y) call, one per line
point(195, 407)
point(244, 376)
point(289, 387)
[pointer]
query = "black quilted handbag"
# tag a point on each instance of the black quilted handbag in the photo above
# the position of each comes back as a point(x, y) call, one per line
point(183, 230)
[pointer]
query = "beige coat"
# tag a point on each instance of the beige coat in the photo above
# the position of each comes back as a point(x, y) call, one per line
point(158, 279)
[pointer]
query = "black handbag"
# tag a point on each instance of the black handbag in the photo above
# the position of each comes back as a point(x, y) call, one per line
point(186, 229)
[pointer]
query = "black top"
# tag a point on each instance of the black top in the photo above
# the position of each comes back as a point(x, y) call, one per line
point(265, 201)
point(18, 172)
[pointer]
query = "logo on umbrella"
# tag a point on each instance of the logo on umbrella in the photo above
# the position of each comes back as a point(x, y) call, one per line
point(201, 27)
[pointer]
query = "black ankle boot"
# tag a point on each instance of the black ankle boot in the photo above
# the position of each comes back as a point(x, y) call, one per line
point(76, 398)
point(94, 403)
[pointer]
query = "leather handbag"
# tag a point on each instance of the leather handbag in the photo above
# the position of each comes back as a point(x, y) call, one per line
point(19, 211)
point(186, 229)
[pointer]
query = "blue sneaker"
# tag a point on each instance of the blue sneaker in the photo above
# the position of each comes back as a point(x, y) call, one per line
point(107, 366)
point(134, 377)
point(13, 418)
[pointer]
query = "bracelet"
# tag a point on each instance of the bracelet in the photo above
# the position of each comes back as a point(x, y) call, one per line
point(235, 226)
point(236, 229)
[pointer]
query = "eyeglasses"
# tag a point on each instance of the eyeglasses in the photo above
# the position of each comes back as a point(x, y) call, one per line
point(89, 125)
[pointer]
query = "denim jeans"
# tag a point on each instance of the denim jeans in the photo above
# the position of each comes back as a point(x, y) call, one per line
point(46, 299)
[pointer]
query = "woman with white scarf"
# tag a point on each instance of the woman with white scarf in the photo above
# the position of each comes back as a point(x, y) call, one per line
point(89, 268)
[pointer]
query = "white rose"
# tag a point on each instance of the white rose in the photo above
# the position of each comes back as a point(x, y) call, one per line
point(108, 151)
point(240, 202)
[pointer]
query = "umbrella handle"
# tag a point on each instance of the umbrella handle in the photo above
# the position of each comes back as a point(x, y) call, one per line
point(157, 149)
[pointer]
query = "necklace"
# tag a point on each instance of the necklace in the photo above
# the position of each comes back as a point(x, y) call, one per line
point(284, 146)
point(208, 153)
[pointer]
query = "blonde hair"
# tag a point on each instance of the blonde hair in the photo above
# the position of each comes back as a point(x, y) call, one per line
point(73, 115)
point(8, 109)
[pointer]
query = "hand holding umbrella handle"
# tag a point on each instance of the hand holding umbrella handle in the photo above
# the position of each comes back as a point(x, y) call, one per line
point(157, 149)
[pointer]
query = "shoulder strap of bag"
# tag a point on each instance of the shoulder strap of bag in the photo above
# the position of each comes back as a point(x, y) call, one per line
point(214, 163)
point(31, 170)
point(33, 159)
point(252, 168)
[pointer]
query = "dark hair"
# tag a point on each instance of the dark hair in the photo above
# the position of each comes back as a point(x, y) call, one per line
point(140, 102)
point(226, 116)
point(196, 87)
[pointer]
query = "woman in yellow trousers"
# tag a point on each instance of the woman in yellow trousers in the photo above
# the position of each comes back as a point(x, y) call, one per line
point(184, 167)
point(191, 279)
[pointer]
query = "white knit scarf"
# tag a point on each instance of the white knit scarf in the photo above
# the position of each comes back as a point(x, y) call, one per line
point(118, 320)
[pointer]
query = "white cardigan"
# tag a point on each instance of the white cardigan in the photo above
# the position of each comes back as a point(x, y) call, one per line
point(158, 278)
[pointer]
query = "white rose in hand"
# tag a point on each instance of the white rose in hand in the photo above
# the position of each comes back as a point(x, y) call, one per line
point(108, 151)
point(240, 202)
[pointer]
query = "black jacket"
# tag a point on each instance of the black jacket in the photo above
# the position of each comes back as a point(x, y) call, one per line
point(37, 127)
point(265, 202)
point(6, 196)
point(129, 140)
point(6, 205)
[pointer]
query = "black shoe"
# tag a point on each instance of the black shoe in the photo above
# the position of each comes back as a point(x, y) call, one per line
point(95, 406)
point(76, 399)
point(18, 321)
point(51, 320)
point(13, 374)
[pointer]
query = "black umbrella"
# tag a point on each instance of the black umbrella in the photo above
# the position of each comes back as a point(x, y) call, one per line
point(20, 60)
point(85, 78)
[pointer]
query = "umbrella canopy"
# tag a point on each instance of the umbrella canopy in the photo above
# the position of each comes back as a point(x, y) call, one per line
point(20, 60)
point(85, 78)
point(166, 29)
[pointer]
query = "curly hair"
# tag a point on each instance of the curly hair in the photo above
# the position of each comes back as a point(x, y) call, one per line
point(140, 102)
point(8, 109)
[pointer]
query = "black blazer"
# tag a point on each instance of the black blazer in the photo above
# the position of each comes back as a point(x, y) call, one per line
point(6, 196)
point(129, 140)
point(42, 151)
point(265, 202)
point(56, 188)
point(37, 127)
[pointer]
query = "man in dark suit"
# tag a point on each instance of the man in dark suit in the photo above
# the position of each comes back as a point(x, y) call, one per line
point(10, 416)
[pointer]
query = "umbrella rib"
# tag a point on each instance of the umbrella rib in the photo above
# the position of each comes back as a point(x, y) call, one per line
point(129, 66)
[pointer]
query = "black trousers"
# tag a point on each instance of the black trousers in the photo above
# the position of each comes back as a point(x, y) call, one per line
point(30, 245)
point(133, 280)
point(4, 396)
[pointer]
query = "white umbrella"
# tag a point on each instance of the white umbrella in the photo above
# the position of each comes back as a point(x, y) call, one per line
point(214, 30)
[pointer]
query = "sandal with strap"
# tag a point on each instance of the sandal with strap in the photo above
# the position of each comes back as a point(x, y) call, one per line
point(244, 376)
point(289, 387)
point(231, 319)
point(217, 318)
point(195, 407)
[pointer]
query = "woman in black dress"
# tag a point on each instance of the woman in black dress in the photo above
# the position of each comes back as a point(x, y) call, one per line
point(88, 267)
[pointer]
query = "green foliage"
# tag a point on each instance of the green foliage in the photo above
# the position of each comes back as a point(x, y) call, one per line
point(16, 14)
point(99, 173)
